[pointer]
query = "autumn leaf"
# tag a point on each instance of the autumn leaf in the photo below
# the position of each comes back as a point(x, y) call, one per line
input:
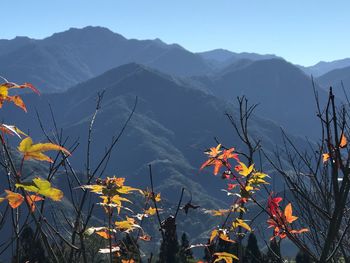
point(213, 162)
point(227, 257)
point(245, 171)
point(35, 151)
point(325, 157)
point(213, 234)
point(17, 100)
point(12, 130)
point(288, 211)
point(214, 151)
point(42, 187)
point(104, 233)
point(31, 199)
point(151, 211)
point(343, 141)
point(240, 223)
point(127, 225)
point(14, 199)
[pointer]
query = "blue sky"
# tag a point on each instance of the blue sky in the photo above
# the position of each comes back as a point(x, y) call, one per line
point(302, 31)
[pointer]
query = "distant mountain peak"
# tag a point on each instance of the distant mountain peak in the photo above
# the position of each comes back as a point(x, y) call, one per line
point(85, 33)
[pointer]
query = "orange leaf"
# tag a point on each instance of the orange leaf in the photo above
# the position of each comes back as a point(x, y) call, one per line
point(104, 233)
point(343, 141)
point(288, 211)
point(31, 199)
point(14, 199)
point(325, 157)
point(17, 100)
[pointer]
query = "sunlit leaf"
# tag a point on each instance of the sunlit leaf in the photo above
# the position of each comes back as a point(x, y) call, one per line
point(14, 199)
point(227, 257)
point(35, 151)
point(42, 187)
point(288, 211)
point(325, 157)
point(31, 199)
point(343, 141)
point(245, 171)
point(240, 223)
point(12, 130)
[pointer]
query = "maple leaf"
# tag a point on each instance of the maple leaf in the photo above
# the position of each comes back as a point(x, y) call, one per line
point(42, 187)
point(273, 205)
point(244, 170)
point(343, 141)
point(17, 100)
point(240, 223)
point(35, 151)
point(213, 162)
point(127, 225)
point(214, 151)
point(31, 199)
point(14, 199)
point(104, 234)
point(12, 130)
point(288, 211)
point(227, 257)
point(151, 211)
point(325, 157)
point(228, 154)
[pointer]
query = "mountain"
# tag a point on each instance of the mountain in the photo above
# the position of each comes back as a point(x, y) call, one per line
point(323, 67)
point(334, 79)
point(221, 58)
point(171, 128)
point(284, 93)
point(67, 58)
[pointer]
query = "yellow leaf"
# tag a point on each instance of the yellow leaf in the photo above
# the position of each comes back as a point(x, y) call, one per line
point(245, 171)
point(240, 223)
point(157, 198)
point(227, 257)
point(35, 151)
point(42, 187)
point(127, 225)
point(213, 234)
point(214, 151)
point(325, 157)
point(151, 211)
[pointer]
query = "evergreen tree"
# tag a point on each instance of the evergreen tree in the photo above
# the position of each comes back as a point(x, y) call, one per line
point(185, 254)
point(274, 253)
point(252, 253)
point(30, 250)
point(302, 258)
point(169, 248)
